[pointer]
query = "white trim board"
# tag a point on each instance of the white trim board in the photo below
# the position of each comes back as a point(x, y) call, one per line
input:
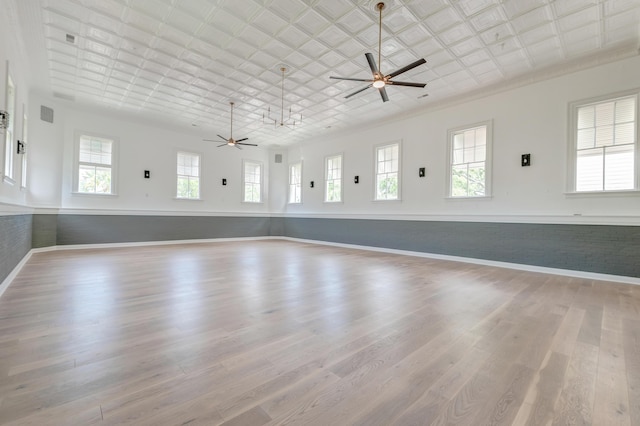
point(517, 266)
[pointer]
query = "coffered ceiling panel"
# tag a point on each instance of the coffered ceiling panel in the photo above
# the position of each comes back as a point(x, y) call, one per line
point(182, 61)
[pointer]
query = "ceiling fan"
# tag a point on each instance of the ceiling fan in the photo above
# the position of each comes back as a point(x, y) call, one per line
point(231, 141)
point(380, 80)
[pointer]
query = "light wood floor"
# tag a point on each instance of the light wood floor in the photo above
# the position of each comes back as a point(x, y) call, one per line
point(277, 332)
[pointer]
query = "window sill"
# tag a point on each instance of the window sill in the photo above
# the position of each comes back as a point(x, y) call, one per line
point(590, 194)
point(187, 199)
point(92, 194)
point(382, 200)
point(296, 203)
point(253, 202)
point(333, 202)
point(9, 180)
point(483, 197)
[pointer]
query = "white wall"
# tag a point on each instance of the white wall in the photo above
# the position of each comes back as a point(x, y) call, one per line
point(530, 119)
point(142, 146)
point(13, 58)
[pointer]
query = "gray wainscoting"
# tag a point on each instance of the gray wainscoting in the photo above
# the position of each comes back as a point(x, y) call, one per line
point(591, 248)
point(15, 242)
point(99, 229)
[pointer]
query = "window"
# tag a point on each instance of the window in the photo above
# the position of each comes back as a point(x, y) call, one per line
point(9, 146)
point(252, 182)
point(188, 173)
point(23, 181)
point(295, 183)
point(469, 161)
point(604, 145)
point(333, 179)
point(387, 172)
point(95, 167)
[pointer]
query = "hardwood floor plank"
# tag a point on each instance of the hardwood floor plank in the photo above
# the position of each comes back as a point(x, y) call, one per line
point(612, 398)
point(280, 332)
point(575, 405)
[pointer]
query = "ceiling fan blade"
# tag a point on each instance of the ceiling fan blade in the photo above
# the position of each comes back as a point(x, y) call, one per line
point(236, 145)
point(407, 68)
point(248, 144)
point(357, 91)
point(350, 79)
point(240, 140)
point(372, 63)
point(224, 144)
point(383, 94)
point(223, 138)
point(404, 83)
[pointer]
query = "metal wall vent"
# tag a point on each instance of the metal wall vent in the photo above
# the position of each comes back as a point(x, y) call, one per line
point(278, 158)
point(46, 114)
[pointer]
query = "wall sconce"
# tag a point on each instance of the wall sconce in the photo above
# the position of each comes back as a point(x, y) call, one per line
point(224, 182)
point(4, 119)
point(311, 184)
point(356, 179)
point(22, 147)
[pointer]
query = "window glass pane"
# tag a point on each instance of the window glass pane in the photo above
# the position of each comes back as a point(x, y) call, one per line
point(590, 170)
point(618, 167)
point(476, 179)
point(604, 135)
point(625, 110)
point(458, 156)
point(458, 141)
point(586, 117)
point(625, 134)
point(604, 114)
point(586, 138)
point(459, 185)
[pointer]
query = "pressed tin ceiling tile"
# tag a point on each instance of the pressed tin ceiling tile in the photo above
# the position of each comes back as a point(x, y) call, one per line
point(191, 57)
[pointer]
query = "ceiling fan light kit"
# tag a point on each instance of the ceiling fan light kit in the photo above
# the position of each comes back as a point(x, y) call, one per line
point(231, 141)
point(380, 80)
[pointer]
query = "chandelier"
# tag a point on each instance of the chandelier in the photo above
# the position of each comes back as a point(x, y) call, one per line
point(289, 122)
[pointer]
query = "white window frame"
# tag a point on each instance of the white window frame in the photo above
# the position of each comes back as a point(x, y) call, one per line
point(487, 161)
point(295, 188)
point(572, 155)
point(377, 173)
point(245, 163)
point(11, 99)
point(76, 163)
point(189, 177)
point(327, 159)
point(23, 178)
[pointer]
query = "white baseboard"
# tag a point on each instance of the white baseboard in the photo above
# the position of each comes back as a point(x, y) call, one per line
point(530, 268)
point(12, 275)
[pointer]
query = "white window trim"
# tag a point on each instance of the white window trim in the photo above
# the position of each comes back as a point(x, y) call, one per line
point(201, 169)
point(375, 171)
point(326, 176)
point(8, 151)
point(572, 138)
point(245, 161)
point(25, 158)
point(114, 163)
point(289, 182)
point(488, 160)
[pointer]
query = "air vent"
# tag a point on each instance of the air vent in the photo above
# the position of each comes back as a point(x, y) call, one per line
point(64, 96)
point(278, 158)
point(46, 114)
point(71, 38)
